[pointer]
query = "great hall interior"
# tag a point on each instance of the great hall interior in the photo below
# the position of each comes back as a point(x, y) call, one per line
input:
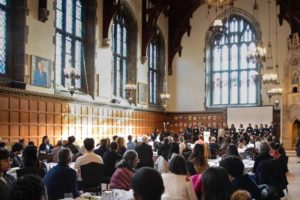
point(99, 68)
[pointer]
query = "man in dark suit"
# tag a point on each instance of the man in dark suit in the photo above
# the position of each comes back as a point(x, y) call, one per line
point(102, 149)
point(62, 179)
point(145, 153)
point(110, 159)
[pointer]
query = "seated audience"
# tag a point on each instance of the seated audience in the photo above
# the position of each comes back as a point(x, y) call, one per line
point(16, 151)
point(241, 146)
point(174, 150)
point(226, 143)
point(215, 184)
point(263, 155)
point(164, 148)
point(28, 187)
point(110, 159)
point(239, 181)
point(89, 156)
point(130, 145)
point(31, 163)
point(71, 146)
point(176, 182)
point(182, 145)
point(45, 147)
point(147, 184)
point(213, 148)
point(121, 144)
point(240, 195)
point(102, 149)
point(122, 177)
point(23, 142)
point(197, 161)
point(6, 180)
point(61, 179)
point(161, 164)
point(145, 153)
point(231, 151)
point(275, 150)
point(55, 150)
point(3, 145)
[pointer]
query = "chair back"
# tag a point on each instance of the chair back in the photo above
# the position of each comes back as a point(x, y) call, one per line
point(92, 174)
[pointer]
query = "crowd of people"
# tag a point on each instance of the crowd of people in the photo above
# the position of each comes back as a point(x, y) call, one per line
point(162, 165)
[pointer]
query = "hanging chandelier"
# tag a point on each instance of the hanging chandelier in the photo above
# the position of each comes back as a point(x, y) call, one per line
point(257, 54)
point(219, 3)
point(165, 96)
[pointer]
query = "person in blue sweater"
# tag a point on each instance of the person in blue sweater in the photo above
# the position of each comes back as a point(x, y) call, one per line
point(62, 179)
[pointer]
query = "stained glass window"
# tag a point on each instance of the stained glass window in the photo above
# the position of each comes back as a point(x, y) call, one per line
point(231, 76)
point(3, 36)
point(68, 40)
point(153, 51)
point(120, 54)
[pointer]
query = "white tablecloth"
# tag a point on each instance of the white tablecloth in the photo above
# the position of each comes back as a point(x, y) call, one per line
point(248, 164)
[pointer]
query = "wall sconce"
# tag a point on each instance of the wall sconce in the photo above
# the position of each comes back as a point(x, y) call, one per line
point(130, 90)
point(73, 74)
point(277, 92)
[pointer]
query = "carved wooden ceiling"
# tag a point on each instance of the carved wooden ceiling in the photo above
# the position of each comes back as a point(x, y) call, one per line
point(179, 13)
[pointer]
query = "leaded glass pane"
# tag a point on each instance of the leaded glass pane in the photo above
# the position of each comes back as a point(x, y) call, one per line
point(119, 38)
point(233, 88)
point(58, 58)
point(217, 59)
point(78, 61)
point(59, 19)
point(216, 88)
point(124, 75)
point(243, 87)
point(225, 58)
point(224, 85)
point(234, 57)
point(243, 56)
point(118, 78)
point(78, 28)
point(59, 4)
point(69, 16)
point(151, 87)
point(3, 2)
point(3, 33)
point(155, 87)
point(252, 87)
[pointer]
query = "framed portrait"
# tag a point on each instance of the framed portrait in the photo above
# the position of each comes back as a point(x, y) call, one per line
point(41, 71)
point(142, 93)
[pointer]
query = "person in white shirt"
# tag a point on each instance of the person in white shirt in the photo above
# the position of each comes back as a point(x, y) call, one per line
point(177, 183)
point(182, 145)
point(89, 156)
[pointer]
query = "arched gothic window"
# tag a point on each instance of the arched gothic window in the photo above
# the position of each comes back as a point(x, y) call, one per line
point(4, 33)
point(120, 47)
point(68, 40)
point(230, 78)
point(155, 67)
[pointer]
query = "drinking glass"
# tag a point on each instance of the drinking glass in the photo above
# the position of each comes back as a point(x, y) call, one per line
point(68, 196)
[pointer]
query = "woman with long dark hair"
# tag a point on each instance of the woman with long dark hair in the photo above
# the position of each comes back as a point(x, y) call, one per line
point(197, 161)
point(215, 184)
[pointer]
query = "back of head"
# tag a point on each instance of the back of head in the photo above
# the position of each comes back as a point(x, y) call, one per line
point(89, 144)
point(28, 187)
point(147, 183)
point(114, 146)
point(4, 154)
point(129, 137)
point(233, 165)
point(2, 145)
point(71, 139)
point(232, 150)
point(145, 139)
point(59, 143)
point(17, 147)
point(30, 156)
point(64, 156)
point(128, 159)
point(213, 140)
point(177, 165)
point(216, 185)
point(264, 147)
point(240, 195)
